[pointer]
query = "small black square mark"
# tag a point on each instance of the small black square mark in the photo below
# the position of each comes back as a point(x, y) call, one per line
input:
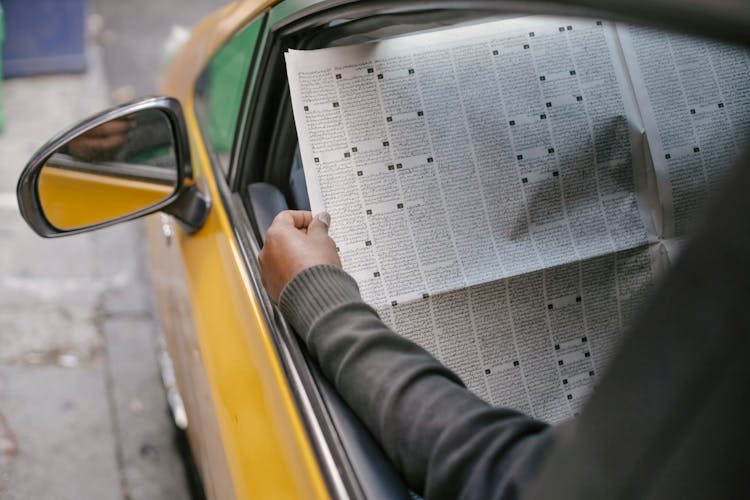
point(389, 119)
point(360, 173)
point(338, 76)
point(572, 72)
point(515, 363)
point(591, 373)
point(555, 174)
point(524, 180)
point(347, 155)
point(376, 274)
point(380, 76)
point(429, 159)
point(495, 53)
point(531, 33)
point(399, 205)
point(550, 306)
point(368, 211)
point(587, 354)
point(696, 150)
point(386, 144)
point(411, 71)
point(721, 105)
point(394, 303)
point(542, 116)
point(667, 156)
point(550, 150)
point(512, 122)
point(370, 70)
point(692, 111)
point(425, 295)
point(335, 105)
point(584, 339)
point(557, 347)
point(487, 371)
point(399, 165)
point(316, 160)
point(542, 78)
point(561, 29)
point(354, 149)
point(420, 113)
point(307, 108)
point(569, 28)
point(578, 299)
point(565, 381)
point(560, 362)
point(526, 46)
point(570, 396)
point(368, 243)
point(391, 167)
point(549, 104)
point(579, 98)
point(598, 23)
point(519, 157)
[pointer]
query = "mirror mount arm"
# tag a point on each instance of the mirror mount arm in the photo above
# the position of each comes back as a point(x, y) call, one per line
point(191, 207)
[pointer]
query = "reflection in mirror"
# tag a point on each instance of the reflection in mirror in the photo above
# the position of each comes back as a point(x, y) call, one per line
point(121, 167)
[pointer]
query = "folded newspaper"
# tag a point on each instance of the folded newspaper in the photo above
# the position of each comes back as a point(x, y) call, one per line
point(505, 193)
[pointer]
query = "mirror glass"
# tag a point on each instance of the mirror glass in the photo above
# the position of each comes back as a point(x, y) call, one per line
point(120, 167)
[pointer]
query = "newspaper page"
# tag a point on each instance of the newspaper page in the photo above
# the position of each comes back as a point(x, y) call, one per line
point(487, 190)
point(694, 96)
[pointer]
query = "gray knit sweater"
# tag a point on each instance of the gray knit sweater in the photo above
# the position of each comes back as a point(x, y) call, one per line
point(446, 442)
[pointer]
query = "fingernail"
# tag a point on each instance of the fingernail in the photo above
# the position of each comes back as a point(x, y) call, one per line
point(325, 218)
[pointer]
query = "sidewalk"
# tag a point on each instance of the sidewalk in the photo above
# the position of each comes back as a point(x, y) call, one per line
point(82, 410)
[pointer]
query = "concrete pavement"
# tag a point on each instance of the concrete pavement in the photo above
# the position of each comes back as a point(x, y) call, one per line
point(82, 410)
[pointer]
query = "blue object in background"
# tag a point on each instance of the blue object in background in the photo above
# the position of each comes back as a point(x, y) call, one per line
point(44, 36)
point(2, 37)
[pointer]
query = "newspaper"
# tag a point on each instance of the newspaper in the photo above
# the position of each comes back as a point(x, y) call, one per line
point(694, 97)
point(497, 189)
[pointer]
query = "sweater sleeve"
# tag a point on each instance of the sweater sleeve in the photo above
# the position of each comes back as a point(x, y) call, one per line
point(446, 442)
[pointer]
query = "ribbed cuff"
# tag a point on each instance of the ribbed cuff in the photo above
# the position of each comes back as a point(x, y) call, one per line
point(313, 293)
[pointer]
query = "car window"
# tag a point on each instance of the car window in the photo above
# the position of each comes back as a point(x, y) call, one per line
point(219, 91)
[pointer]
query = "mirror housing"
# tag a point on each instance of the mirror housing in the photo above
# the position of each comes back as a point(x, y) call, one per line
point(188, 202)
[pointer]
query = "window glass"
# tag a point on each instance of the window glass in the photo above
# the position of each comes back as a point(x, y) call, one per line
point(218, 93)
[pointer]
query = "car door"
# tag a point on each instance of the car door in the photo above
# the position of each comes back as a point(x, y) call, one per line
point(242, 420)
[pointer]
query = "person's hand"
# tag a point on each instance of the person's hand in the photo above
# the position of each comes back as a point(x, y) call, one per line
point(295, 241)
point(102, 142)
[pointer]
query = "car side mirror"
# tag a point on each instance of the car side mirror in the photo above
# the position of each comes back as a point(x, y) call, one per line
point(119, 165)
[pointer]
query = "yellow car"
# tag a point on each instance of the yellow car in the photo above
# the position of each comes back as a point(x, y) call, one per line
point(218, 159)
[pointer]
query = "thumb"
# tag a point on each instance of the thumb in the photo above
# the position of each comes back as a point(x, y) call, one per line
point(319, 224)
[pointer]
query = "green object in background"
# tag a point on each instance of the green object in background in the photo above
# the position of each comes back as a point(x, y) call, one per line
point(2, 38)
point(227, 72)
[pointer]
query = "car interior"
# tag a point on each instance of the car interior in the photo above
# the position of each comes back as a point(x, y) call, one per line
point(266, 177)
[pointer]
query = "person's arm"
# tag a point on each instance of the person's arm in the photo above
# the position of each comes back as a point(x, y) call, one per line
point(447, 442)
